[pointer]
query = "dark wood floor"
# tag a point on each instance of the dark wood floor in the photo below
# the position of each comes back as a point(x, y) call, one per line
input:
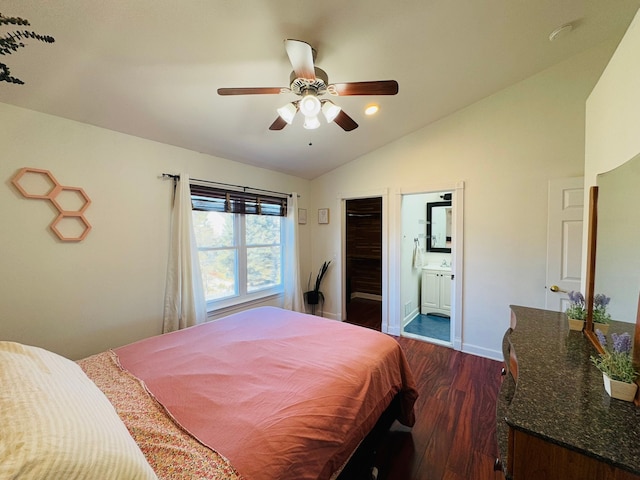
point(454, 435)
point(365, 312)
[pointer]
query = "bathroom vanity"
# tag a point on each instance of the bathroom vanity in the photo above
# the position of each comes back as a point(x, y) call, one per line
point(554, 418)
point(436, 291)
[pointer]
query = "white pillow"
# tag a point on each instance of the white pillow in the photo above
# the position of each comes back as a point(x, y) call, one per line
point(56, 424)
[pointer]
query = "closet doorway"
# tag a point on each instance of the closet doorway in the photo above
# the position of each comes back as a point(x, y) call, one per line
point(363, 262)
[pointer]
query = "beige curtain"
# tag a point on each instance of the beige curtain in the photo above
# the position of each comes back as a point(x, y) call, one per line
point(184, 302)
point(293, 299)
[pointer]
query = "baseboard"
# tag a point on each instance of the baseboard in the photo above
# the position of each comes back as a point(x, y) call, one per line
point(368, 296)
point(395, 331)
point(411, 316)
point(329, 315)
point(483, 352)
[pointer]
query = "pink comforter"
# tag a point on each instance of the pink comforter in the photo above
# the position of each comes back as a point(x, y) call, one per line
point(280, 394)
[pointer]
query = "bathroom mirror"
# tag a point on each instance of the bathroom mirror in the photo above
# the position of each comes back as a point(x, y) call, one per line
point(439, 216)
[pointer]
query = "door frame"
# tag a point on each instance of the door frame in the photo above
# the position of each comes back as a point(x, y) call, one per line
point(396, 313)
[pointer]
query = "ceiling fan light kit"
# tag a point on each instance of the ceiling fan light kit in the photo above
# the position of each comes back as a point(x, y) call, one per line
point(311, 123)
point(330, 110)
point(288, 111)
point(311, 82)
point(310, 105)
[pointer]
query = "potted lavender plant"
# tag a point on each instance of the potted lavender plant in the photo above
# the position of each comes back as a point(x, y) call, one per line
point(576, 311)
point(600, 315)
point(616, 365)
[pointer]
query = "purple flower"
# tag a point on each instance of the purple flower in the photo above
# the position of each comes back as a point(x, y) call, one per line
point(601, 300)
point(621, 343)
point(576, 297)
point(601, 338)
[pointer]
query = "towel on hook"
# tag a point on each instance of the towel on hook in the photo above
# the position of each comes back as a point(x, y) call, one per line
point(417, 255)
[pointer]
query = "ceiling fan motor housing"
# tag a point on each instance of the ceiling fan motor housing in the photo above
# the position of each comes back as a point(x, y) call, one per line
point(300, 86)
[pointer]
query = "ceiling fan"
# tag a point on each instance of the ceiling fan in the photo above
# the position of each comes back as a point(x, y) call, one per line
point(310, 82)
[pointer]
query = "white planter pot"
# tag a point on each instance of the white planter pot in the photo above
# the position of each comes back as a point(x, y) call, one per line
point(620, 390)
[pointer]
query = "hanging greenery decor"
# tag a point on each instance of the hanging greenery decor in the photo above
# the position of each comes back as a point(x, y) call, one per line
point(12, 41)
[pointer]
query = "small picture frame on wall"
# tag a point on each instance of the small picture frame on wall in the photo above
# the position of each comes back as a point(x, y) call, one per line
point(323, 215)
point(302, 216)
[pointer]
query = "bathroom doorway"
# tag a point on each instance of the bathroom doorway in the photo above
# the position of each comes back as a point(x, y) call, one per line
point(429, 265)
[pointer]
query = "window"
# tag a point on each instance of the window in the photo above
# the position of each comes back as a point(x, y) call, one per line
point(239, 238)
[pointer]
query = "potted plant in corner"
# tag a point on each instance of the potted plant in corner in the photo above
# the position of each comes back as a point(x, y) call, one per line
point(601, 318)
point(576, 312)
point(616, 365)
point(314, 296)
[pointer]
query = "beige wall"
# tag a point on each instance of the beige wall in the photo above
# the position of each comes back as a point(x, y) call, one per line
point(613, 127)
point(505, 148)
point(613, 109)
point(80, 298)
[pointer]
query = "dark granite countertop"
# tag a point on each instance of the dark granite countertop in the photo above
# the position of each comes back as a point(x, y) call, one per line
point(560, 395)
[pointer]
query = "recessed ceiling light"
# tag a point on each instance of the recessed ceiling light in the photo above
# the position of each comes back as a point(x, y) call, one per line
point(561, 31)
point(371, 109)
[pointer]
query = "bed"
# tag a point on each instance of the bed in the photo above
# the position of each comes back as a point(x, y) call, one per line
point(262, 394)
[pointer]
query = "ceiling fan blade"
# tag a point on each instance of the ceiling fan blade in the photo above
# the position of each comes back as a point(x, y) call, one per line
point(379, 87)
point(278, 124)
point(301, 57)
point(345, 121)
point(249, 91)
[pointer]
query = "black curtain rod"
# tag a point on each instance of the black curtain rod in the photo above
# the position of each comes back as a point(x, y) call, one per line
point(244, 189)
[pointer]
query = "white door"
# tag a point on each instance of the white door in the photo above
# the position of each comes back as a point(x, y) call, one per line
point(564, 240)
point(430, 291)
point(445, 291)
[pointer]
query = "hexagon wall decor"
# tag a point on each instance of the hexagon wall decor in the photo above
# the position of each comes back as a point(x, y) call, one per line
point(71, 202)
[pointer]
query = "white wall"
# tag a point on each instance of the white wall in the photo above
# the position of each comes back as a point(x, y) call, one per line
point(613, 127)
point(505, 148)
point(80, 298)
point(613, 109)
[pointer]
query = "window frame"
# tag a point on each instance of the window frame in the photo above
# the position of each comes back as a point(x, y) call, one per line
point(242, 295)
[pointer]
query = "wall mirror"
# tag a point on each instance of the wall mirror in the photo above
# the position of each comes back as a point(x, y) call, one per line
point(439, 216)
point(617, 269)
point(614, 241)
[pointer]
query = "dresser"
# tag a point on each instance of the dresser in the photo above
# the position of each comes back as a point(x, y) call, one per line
point(554, 418)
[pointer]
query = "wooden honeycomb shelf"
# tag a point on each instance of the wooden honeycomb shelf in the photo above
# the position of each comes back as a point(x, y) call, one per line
point(62, 197)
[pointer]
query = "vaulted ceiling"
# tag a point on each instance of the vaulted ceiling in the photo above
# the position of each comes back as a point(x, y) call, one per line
point(151, 68)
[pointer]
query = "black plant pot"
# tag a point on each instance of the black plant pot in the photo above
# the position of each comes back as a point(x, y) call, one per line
point(313, 297)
